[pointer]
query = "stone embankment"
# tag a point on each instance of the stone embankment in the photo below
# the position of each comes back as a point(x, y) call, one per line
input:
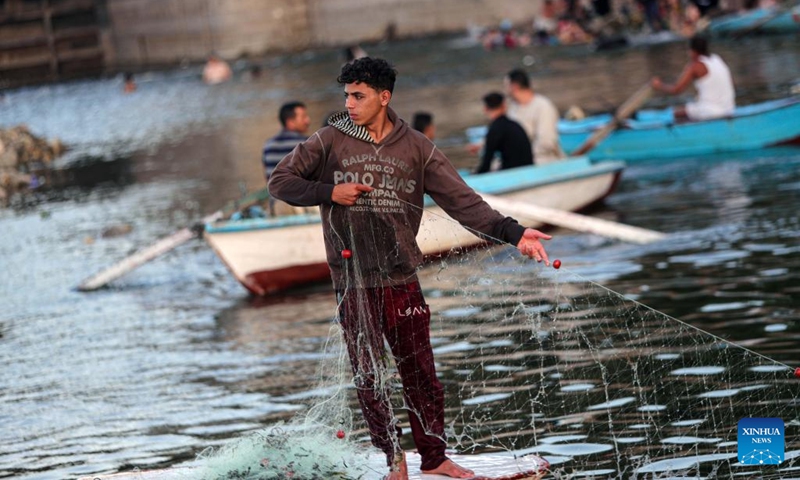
point(22, 154)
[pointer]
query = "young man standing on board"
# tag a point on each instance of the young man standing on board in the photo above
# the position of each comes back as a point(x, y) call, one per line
point(369, 171)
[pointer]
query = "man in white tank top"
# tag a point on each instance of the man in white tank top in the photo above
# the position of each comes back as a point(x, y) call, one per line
point(712, 80)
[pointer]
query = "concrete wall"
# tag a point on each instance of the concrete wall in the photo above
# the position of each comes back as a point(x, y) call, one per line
point(167, 31)
point(337, 22)
point(257, 26)
point(142, 32)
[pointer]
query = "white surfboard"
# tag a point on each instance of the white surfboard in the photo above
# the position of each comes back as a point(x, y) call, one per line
point(488, 466)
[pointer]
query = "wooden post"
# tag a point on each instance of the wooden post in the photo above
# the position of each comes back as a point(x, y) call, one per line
point(47, 18)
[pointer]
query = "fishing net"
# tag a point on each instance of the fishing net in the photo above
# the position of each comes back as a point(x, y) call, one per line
point(537, 360)
point(316, 444)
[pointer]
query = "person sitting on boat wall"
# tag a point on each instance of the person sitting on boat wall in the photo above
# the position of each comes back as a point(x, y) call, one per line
point(295, 122)
point(504, 136)
point(537, 115)
point(369, 172)
point(716, 96)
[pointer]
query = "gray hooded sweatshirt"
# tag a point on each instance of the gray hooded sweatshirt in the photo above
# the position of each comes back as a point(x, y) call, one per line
point(380, 229)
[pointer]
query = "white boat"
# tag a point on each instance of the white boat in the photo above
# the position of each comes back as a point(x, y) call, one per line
point(268, 255)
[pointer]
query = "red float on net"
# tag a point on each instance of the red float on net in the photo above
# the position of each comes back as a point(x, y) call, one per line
point(340, 433)
point(556, 264)
point(797, 372)
point(346, 253)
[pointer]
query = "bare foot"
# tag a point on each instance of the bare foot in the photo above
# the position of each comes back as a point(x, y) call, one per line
point(399, 470)
point(450, 468)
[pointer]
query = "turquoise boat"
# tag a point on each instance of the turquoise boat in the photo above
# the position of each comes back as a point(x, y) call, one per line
point(654, 134)
point(761, 20)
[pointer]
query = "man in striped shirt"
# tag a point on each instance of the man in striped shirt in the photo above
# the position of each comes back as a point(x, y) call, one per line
point(295, 121)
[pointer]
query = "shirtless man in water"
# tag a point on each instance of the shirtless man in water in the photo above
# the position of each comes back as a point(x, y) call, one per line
point(369, 172)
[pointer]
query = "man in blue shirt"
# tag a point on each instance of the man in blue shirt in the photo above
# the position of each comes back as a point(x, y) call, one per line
point(295, 121)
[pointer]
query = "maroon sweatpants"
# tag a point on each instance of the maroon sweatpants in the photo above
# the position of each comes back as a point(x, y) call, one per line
point(400, 315)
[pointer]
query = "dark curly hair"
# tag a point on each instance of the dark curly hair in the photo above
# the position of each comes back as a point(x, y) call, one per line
point(375, 72)
point(699, 45)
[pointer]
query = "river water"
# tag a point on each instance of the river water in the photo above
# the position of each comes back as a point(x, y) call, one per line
point(175, 357)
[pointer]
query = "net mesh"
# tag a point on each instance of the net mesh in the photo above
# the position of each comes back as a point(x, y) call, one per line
point(535, 360)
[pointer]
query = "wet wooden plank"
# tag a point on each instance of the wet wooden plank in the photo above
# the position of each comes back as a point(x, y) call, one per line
point(486, 466)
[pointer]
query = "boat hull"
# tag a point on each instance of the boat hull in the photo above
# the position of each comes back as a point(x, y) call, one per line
point(759, 20)
point(754, 127)
point(655, 135)
point(271, 255)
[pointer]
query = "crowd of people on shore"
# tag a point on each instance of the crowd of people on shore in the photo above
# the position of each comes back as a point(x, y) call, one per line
point(569, 22)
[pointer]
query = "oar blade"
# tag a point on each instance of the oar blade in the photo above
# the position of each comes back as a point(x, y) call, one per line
point(167, 243)
point(137, 259)
point(624, 111)
point(573, 221)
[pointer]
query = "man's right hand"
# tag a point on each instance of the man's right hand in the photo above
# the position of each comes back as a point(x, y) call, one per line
point(474, 148)
point(656, 83)
point(348, 193)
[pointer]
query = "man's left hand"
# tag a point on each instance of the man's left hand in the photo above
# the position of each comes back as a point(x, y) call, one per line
point(531, 246)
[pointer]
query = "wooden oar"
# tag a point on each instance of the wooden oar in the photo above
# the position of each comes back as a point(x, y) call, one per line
point(624, 111)
point(166, 244)
point(573, 221)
